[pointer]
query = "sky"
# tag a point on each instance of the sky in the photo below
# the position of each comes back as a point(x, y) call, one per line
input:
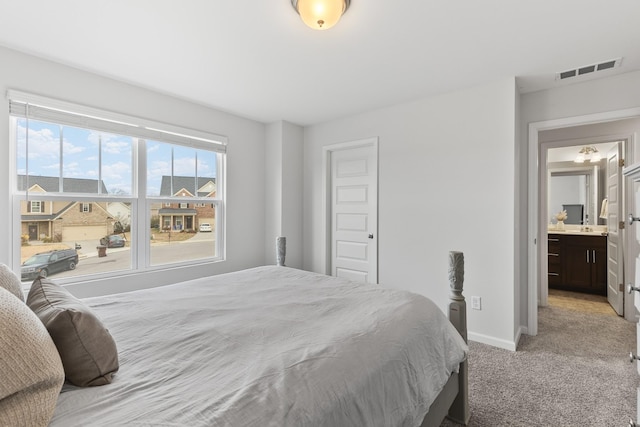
point(80, 157)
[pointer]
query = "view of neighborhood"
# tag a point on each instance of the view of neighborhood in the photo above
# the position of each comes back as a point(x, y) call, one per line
point(85, 226)
point(65, 235)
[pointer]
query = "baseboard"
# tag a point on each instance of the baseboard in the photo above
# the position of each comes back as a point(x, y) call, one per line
point(492, 341)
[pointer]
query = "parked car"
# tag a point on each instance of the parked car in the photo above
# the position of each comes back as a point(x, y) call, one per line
point(115, 241)
point(205, 226)
point(45, 263)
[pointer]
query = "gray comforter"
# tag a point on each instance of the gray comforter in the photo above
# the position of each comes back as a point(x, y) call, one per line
point(270, 346)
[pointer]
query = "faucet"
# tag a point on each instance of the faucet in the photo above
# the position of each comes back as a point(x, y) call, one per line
point(586, 227)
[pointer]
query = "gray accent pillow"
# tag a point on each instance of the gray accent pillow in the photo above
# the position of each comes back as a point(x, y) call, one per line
point(87, 349)
point(31, 373)
point(11, 282)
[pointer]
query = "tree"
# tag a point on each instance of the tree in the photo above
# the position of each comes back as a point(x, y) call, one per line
point(155, 221)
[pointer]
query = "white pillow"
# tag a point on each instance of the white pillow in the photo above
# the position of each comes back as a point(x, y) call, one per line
point(31, 370)
point(11, 282)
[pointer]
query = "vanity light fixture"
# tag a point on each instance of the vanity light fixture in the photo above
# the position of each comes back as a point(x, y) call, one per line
point(320, 14)
point(588, 153)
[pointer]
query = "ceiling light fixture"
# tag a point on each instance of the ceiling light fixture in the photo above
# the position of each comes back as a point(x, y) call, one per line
point(588, 153)
point(320, 14)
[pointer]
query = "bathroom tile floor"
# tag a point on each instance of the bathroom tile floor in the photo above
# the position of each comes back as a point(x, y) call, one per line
point(577, 301)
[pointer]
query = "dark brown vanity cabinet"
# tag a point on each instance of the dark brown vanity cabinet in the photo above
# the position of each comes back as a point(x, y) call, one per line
point(555, 268)
point(578, 263)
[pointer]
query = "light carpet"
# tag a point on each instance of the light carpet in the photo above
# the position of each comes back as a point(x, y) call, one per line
point(576, 372)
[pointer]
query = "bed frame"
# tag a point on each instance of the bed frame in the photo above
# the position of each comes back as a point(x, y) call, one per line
point(453, 400)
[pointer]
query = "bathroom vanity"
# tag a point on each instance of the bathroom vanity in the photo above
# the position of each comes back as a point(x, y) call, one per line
point(578, 261)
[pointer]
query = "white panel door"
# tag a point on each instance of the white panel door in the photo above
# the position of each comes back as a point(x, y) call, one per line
point(633, 172)
point(354, 210)
point(614, 240)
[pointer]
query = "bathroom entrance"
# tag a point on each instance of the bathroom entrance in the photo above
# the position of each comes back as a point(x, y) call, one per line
point(623, 125)
point(583, 194)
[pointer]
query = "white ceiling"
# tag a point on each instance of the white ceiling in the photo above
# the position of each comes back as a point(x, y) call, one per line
point(255, 58)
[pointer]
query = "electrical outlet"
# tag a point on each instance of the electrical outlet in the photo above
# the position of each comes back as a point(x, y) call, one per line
point(476, 303)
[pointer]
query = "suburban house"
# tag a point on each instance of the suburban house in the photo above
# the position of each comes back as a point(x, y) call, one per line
point(63, 221)
point(121, 212)
point(185, 216)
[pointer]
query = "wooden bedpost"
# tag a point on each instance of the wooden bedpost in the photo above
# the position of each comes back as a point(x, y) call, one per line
point(281, 250)
point(459, 410)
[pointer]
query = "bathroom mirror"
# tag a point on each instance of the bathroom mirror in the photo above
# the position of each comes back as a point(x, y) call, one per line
point(575, 184)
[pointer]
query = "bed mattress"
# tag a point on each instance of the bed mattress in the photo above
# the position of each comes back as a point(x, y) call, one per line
point(269, 346)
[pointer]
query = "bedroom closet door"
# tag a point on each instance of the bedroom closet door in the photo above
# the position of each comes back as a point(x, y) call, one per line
point(354, 211)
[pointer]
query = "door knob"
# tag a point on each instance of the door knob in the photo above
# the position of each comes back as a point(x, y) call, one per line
point(631, 288)
point(632, 423)
point(371, 235)
point(633, 357)
point(633, 218)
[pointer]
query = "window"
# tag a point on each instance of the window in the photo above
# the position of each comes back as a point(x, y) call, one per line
point(107, 175)
point(36, 207)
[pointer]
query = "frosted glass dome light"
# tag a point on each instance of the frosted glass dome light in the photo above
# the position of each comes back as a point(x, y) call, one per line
point(320, 14)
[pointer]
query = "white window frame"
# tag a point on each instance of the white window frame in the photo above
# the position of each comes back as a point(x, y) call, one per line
point(86, 207)
point(50, 110)
point(36, 203)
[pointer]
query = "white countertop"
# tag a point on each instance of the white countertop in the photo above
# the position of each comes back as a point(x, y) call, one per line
point(577, 232)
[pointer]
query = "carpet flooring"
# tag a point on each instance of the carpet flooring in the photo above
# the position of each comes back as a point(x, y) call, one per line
point(575, 372)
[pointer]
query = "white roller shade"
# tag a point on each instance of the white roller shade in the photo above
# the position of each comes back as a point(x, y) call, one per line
point(36, 107)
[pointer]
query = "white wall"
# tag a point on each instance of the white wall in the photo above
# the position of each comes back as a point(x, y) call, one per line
point(292, 189)
point(245, 159)
point(606, 94)
point(272, 189)
point(446, 182)
point(620, 92)
point(283, 191)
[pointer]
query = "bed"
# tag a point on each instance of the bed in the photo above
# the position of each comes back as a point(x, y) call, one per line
point(276, 346)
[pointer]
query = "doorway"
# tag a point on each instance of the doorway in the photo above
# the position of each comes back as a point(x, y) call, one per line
point(593, 188)
point(537, 224)
point(351, 210)
point(33, 232)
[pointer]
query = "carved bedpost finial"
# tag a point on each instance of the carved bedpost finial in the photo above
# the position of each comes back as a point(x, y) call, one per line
point(459, 410)
point(281, 250)
point(456, 274)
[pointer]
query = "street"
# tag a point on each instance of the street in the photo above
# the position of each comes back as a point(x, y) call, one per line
point(202, 245)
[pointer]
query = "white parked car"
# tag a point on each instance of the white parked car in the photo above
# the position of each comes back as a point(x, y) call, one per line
point(205, 226)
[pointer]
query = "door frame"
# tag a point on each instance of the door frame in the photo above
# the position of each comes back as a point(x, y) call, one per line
point(536, 226)
point(544, 193)
point(327, 150)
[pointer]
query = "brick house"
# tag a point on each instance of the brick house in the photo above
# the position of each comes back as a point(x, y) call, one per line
point(186, 216)
point(66, 221)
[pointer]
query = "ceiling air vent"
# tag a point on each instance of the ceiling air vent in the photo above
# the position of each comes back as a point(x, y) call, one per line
point(588, 69)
